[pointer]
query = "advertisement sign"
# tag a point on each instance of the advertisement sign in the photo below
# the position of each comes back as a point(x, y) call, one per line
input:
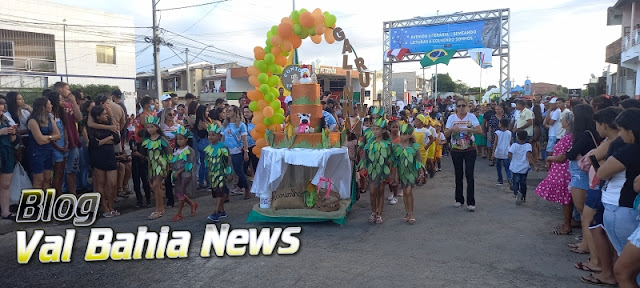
point(458, 36)
point(287, 75)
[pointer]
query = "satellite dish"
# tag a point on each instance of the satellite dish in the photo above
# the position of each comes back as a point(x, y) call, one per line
point(593, 76)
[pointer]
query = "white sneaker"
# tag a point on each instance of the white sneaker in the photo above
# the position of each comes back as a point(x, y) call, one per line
point(471, 208)
point(457, 205)
point(499, 184)
point(394, 201)
point(390, 197)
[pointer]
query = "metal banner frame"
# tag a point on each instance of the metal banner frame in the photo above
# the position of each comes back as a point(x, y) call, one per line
point(502, 51)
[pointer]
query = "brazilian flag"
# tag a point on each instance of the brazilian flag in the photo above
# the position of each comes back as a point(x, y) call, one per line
point(437, 56)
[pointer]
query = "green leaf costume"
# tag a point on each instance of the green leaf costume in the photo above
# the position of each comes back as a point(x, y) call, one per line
point(377, 159)
point(158, 157)
point(217, 161)
point(406, 161)
point(185, 159)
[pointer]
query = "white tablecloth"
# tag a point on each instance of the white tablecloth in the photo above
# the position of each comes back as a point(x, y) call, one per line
point(330, 163)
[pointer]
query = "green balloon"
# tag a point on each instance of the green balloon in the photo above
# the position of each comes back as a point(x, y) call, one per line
point(270, 34)
point(303, 10)
point(312, 31)
point(274, 104)
point(262, 66)
point(273, 81)
point(267, 49)
point(325, 13)
point(274, 91)
point(295, 16)
point(274, 30)
point(280, 111)
point(253, 106)
point(330, 20)
point(267, 121)
point(264, 88)
point(274, 68)
point(297, 29)
point(277, 118)
point(268, 97)
point(269, 58)
point(304, 34)
point(279, 70)
point(255, 63)
point(263, 78)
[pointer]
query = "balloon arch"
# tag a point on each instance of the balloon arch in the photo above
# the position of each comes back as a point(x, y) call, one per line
point(282, 40)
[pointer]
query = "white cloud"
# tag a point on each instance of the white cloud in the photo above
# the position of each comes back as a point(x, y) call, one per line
point(556, 41)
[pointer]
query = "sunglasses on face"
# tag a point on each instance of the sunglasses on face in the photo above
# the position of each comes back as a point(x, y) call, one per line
point(170, 114)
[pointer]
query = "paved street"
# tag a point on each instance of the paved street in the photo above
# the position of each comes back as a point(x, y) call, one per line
point(500, 245)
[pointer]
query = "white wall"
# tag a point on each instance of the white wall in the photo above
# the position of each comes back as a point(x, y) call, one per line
point(81, 42)
point(237, 84)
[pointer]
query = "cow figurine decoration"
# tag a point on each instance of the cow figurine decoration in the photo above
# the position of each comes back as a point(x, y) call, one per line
point(304, 127)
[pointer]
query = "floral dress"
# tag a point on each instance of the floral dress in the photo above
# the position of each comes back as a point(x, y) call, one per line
point(555, 187)
point(158, 157)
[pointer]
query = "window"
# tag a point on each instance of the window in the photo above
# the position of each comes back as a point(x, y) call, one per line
point(6, 53)
point(106, 54)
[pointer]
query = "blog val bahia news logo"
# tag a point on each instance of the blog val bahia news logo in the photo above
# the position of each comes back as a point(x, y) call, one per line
point(38, 205)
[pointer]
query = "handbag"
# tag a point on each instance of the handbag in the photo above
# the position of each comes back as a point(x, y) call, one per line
point(19, 181)
point(584, 163)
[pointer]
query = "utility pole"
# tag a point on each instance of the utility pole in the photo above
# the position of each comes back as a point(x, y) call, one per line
point(186, 52)
point(156, 51)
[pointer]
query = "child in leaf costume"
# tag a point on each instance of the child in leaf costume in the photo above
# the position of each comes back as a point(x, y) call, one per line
point(377, 161)
point(183, 175)
point(218, 162)
point(158, 152)
point(406, 157)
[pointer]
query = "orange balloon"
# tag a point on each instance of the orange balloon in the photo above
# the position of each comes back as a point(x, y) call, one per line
point(320, 29)
point(287, 20)
point(287, 45)
point(318, 18)
point(328, 35)
point(296, 41)
point(262, 104)
point(254, 95)
point(259, 52)
point(281, 60)
point(285, 30)
point(253, 70)
point(276, 50)
point(267, 112)
point(275, 127)
point(316, 39)
point(256, 151)
point(317, 11)
point(276, 40)
point(261, 128)
point(307, 20)
point(254, 134)
point(253, 80)
point(257, 118)
point(261, 142)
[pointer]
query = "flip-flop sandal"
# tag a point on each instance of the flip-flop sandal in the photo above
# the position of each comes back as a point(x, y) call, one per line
point(378, 219)
point(194, 208)
point(412, 220)
point(177, 218)
point(372, 218)
point(595, 281)
point(583, 267)
point(405, 218)
point(573, 245)
point(578, 251)
point(155, 215)
point(558, 232)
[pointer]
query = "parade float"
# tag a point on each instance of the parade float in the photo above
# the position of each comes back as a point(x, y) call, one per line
point(304, 173)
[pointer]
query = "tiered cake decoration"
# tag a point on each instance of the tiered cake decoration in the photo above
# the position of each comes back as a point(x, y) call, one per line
point(304, 125)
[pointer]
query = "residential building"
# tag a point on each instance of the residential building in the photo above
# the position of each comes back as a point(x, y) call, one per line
point(624, 51)
point(542, 88)
point(43, 42)
point(204, 77)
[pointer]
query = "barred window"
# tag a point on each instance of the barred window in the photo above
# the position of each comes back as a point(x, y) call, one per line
point(106, 54)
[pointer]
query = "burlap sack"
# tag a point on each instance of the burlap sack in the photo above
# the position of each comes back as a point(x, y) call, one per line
point(288, 198)
point(328, 204)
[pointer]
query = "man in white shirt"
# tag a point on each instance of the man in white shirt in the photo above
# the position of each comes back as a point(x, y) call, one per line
point(552, 123)
point(524, 120)
point(560, 132)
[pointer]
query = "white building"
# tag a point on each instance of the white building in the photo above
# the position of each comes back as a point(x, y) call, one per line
point(43, 42)
point(624, 51)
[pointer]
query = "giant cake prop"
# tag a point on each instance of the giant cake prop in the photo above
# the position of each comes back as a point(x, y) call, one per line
point(303, 127)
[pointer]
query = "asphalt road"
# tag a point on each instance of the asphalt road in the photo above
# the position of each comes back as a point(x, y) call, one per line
point(499, 245)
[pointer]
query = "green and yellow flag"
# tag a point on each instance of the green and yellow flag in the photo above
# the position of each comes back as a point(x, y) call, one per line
point(437, 56)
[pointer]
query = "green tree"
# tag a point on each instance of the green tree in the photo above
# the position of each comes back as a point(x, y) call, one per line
point(475, 90)
point(445, 84)
point(491, 87)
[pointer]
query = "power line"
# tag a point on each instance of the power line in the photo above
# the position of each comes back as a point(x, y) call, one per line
point(205, 15)
point(208, 45)
point(74, 25)
point(165, 59)
point(191, 6)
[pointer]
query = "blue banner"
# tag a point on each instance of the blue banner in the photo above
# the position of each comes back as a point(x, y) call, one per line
point(458, 36)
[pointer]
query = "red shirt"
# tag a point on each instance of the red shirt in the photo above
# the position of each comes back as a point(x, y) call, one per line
point(282, 104)
point(70, 127)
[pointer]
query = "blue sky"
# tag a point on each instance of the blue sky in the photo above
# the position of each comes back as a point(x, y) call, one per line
point(555, 41)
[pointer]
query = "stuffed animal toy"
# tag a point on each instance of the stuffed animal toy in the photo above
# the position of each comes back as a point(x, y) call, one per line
point(305, 76)
point(304, 124)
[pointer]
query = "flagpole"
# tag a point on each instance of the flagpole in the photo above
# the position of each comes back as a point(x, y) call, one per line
point(435, 96)
point(480, 79)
